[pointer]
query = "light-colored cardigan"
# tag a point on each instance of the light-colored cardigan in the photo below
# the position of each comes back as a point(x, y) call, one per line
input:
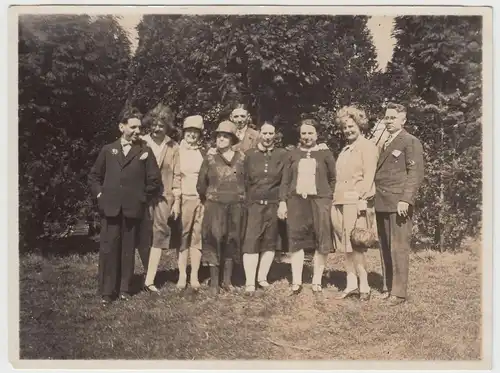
point(169, 165)
point(355, 169)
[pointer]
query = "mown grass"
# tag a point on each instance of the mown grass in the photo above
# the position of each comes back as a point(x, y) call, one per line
point(61, 316)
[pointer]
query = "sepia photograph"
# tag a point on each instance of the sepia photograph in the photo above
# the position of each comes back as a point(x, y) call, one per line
point(251, 184)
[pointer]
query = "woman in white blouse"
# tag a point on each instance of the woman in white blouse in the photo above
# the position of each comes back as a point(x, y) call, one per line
point(353, 197)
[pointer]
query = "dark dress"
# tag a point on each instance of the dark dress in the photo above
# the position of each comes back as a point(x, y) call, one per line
point(309, 215)
point(221, 186)
point(263, 173)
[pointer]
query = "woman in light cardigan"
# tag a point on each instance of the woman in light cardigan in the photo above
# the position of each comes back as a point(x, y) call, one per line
point(167, 207)
point(354, 190)
point(191, 155)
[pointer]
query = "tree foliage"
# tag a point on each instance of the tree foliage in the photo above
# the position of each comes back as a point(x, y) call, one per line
point(72, 80)
point(282, 66)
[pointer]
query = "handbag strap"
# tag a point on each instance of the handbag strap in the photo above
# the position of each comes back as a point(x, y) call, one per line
point(368, 225)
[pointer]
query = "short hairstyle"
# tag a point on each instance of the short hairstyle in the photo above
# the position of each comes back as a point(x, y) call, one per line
point(161, 112)
point(268, 122)
point(398, 107)
point(129, 113)
point(309, 122)
point(356, 114)
point(240, 105)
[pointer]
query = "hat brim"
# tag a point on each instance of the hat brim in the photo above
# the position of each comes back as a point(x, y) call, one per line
point(234, 137)
point(192, 128)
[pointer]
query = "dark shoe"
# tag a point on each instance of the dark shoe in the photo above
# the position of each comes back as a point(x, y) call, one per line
point(125, 296)
point(348, 294)
point(106, 299)
point(364, 297)
point(396, 301)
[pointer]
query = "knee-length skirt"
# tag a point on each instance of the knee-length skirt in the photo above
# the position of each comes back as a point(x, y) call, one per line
point(222, 232)
point(309, 224)
point(345, 218)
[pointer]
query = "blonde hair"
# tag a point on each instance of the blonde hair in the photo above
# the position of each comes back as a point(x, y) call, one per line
point(356, 114)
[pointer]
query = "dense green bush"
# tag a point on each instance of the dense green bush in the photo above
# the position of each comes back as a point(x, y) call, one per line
point(72, 81)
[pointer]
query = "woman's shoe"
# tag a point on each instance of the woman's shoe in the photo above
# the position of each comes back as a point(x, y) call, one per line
point(316, 288)
point(195, 285)
point(151, 288)
point(346, 294)
point(249, 290)
point(364, 297)
point(264, 284)
point(296, 289)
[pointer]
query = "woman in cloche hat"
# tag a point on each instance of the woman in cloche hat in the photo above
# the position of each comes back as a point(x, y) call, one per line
point(221, 186)
point(191, 155)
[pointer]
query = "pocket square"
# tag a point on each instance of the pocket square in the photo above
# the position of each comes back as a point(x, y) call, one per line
point(143, 156)
point(396, 153)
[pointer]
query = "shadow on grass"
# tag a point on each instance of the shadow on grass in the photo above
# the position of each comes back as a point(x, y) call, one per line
point(67, 246)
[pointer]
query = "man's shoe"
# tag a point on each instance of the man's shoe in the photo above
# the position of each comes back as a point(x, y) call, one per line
point(106, 299)
point(125, 296)
point(396, 301)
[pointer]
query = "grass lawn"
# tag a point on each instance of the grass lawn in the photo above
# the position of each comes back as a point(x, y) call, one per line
point(62, 318)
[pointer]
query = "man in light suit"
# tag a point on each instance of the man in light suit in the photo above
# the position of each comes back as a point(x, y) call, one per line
point(400, 171)
point(124, 177)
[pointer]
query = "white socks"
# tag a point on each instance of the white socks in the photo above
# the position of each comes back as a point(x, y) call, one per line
point(195, 265)
point(319, 262)
point(360, 264)
point(154, 261)
point(250, 262)
point(297, 267)
point(355, 265)
point(352, 279)
point(182, 264)
point(266, 260)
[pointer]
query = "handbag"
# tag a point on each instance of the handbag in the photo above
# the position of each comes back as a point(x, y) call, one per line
point(363, 238)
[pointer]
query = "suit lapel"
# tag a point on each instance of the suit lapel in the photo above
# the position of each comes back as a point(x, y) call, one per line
point(120, 158)
point(393, 145)
point(134, 150)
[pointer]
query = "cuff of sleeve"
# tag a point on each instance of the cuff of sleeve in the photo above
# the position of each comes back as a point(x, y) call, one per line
point(406, 199)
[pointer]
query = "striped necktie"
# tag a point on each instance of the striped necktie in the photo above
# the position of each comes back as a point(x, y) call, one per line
point(387, 142)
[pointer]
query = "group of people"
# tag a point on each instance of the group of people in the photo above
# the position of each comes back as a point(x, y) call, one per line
point(243, 199)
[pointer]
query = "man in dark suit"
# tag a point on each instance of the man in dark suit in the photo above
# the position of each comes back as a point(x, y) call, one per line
point(249, 138)
point(400, 172)
point(123, 179)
